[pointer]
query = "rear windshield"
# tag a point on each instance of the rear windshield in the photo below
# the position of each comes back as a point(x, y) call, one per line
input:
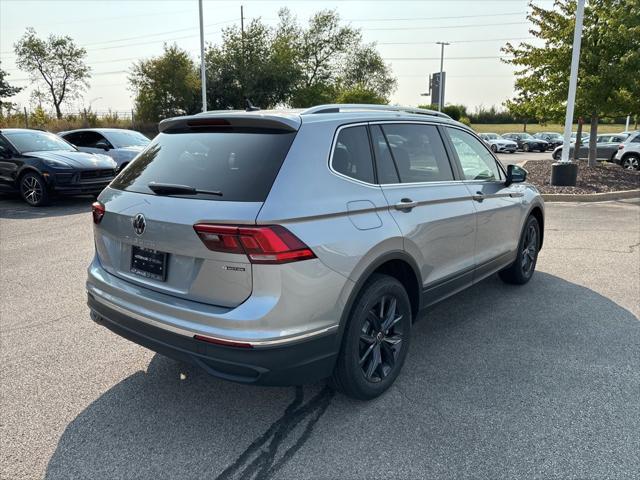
point(242, 164)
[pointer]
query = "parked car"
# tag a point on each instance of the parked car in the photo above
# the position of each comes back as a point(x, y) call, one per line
point(526, 142)
point(292, 246)
point(628, 154)
point(552, 138)
point(584, 137)
point(606, 147)
point(40, 164)
point(498, 144)
point(120, 144)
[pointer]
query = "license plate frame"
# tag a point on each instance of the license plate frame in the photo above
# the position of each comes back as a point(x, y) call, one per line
point(149, 263)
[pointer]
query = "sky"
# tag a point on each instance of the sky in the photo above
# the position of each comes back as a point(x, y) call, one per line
point(116, 33)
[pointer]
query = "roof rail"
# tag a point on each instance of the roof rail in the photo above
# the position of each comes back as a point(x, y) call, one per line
point(343, 107)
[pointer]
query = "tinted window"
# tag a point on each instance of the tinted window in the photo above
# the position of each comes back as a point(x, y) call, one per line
point(636, 139)
point(242, 164)
point(35, 141)
point(387, 172)
point(352, 154)
point(476, 161)
point(418, 153)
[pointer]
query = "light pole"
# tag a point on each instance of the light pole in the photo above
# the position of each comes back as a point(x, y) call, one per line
point(203, 77)
point(565, 172)
point(441, 83)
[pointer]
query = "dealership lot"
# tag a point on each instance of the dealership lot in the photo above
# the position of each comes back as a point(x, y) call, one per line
point(501, 381)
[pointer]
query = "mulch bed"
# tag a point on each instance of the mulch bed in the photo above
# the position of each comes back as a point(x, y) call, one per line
point(605, 177)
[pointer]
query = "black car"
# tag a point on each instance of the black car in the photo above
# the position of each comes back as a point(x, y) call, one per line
point(526, 142)
point(40, 164)
point(552, 138)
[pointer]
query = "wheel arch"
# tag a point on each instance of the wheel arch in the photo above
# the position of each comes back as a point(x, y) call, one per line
point(397, 264)
point(537, 212)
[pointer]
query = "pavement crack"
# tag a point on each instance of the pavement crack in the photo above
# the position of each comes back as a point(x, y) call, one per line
point(259, 460)
point(35, 324)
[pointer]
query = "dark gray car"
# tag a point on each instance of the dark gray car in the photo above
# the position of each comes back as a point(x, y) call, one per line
point(606, 147)
point(281, 247)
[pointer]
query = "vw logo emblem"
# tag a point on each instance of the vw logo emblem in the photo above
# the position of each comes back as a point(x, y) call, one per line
point(139, 224)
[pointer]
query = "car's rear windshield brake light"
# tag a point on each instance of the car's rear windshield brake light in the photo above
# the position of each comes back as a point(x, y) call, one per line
point(263, 244)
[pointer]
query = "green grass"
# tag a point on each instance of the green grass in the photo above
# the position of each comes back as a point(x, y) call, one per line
point(501, 128)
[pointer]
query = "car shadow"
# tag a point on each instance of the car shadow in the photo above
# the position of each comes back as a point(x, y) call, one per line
point(13, 207)
point(500, 381)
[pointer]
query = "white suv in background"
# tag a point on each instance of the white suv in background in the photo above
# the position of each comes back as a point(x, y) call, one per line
point(628, 155)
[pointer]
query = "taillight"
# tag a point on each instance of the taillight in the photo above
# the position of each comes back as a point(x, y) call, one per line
point(97, 210)
point(268, 244)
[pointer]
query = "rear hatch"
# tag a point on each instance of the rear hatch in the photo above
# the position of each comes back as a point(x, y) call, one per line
point(147, 234)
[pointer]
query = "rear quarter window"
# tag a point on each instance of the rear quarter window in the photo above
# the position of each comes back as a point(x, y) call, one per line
point(240, 163)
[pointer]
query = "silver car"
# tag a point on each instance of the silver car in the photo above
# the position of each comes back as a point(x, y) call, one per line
point(282, 247)
point(628, 153)
point(497, 144)
point(120, 144)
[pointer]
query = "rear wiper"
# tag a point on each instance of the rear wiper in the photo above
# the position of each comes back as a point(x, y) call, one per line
point(174, 189)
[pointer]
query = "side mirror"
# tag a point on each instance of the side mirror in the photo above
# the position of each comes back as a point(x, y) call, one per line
point(515, 174)
point(103, 145)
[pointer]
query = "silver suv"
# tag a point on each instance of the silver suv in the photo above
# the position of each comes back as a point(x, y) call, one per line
point(282, 247)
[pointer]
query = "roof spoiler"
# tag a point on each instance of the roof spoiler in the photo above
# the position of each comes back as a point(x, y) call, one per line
point(231, 119)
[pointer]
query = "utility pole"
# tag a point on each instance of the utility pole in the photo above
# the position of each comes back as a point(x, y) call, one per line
point(203, 69)
point(244, 93)
point(441, 83)
point(565, 172)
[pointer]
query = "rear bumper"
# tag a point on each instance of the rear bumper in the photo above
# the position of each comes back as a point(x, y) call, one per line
point(290, 364)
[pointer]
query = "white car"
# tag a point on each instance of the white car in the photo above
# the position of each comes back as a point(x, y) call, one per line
point(498, 144)
point(628, 155)
point(120, 144)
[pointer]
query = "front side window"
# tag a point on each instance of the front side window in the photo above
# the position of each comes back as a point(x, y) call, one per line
point(476, 161)
point(352, 154)
point(418, 152)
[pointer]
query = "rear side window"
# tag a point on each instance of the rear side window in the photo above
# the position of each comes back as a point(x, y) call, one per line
point(242, 164)
point(352, 154)
point(418, 152)
point(636, 139)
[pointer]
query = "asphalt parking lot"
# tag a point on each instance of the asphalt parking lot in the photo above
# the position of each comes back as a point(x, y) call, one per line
point(540, 381)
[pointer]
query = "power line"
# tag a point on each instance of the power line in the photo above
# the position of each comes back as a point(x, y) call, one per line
point(459, 41)
point(448, 26)
point(433, 18)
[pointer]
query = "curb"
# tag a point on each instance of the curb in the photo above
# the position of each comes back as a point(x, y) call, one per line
point(590, 197)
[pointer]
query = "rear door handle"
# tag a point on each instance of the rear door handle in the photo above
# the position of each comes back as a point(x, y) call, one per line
point(405, 204)
point(478, 197)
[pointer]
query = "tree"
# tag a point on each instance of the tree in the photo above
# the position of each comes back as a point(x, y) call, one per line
point(166, 85)
point(56, 61)
point(365, 71)
point(260, 65)
point(6, 90)
point(323, 62)
point(609, 61)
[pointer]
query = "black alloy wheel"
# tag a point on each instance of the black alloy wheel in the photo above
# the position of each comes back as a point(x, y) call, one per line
point(376, 339)
point(521, 270)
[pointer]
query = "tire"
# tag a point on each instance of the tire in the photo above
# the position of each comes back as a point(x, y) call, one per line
point(374, 346)
point(525, 147)
point(521, 270)
point(494, 149)
point(33, 190)
point(631, 162)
